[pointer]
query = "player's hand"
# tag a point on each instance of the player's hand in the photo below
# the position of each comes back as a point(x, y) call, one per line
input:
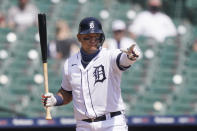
point(48, 99)
point(133, 52)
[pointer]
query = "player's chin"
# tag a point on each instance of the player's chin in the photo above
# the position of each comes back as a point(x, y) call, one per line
point(92, 46)
point(93, 49)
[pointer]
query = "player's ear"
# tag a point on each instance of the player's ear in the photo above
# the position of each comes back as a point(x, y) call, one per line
point(78, 37)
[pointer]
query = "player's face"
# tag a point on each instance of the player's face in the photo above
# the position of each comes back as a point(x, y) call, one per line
point(89, 42)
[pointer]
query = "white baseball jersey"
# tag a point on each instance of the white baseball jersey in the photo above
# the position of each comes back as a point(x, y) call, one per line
point(95, 89)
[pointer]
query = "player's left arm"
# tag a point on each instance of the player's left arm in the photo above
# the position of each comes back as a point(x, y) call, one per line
point(129, 56)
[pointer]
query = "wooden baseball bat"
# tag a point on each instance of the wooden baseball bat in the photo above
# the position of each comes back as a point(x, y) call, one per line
point(43, 44)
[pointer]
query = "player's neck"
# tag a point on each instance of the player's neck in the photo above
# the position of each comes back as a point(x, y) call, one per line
point(86, 58)
point(89, 52)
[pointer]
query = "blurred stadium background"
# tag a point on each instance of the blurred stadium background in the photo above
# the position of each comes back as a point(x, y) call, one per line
point(165, 78)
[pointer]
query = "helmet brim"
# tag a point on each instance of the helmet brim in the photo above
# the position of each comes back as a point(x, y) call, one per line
point(91, 32)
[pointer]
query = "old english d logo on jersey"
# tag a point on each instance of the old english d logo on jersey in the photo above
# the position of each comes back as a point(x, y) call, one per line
point(99, 74)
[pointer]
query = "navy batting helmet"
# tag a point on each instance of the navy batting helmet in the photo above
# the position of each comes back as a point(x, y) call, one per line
point(91, 25)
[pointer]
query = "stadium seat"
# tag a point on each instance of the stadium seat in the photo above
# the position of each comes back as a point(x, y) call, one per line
point(66, 110)
point(42, 5)
point(186, 97)
point(35, 110)
point(5, 114)
point(180, 108)
point(141, 109)
point(160, 88)
point(3, 35)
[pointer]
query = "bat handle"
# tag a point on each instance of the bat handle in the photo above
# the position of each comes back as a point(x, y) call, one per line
point(48, 114)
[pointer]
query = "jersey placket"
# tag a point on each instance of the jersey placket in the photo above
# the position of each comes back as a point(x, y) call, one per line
point(87, 95)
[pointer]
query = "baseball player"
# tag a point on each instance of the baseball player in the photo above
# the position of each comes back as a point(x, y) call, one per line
point(92, 78)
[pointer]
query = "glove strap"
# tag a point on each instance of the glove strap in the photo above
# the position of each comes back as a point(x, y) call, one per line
point(59, 100)
point(131, 58)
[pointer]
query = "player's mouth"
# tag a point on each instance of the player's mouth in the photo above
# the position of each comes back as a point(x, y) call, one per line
point(92, 43)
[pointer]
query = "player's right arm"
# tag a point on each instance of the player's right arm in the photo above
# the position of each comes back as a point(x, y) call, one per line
point(64, 95)
point(61, 98)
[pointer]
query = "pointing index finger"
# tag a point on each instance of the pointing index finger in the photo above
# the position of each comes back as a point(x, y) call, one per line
point(131, 48)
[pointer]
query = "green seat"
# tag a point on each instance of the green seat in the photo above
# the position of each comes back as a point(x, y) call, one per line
point(43, 6)
point(170, 41)
point(191, 3)
point(186, 97)
point(122, 9)
point(142, 109)
point(191, 80)
point(146, 43)
point(191, 61)
point(5, 114)
point(180, 108)
point(136, 112)
point(168, 50)
point(191, 88)
point(26, 79)
point(168, 57)
point(130, 90)
point(3, 34)
point(20, 89)
point(35, 109)
point(151, 98)
point(13, 72)
point(17, 63)
point(2, 46)
point(21, 55)
point(132, 82)
point(66, 110)
point(21, 85)
point(132, 77)
point(129, 93)
point(13, 102)
point(164, 73)
point(192, 64)
point(191, 73)
point(9, 103)
point(167, 64)
point(162, 80)
point(160, 89)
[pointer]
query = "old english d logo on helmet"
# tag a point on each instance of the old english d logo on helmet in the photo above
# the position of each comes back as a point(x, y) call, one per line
point(90, 25)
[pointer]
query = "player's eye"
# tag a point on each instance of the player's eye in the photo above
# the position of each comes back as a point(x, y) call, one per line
point(86, 38)
point(89, 38)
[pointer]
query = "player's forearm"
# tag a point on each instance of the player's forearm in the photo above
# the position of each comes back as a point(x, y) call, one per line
point(124, 61)
point(66, 97)
point(61, 98)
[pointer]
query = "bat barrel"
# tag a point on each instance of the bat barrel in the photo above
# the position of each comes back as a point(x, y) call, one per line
point(43, 36)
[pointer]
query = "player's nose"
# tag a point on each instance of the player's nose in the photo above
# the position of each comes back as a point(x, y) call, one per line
point(94, 39)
